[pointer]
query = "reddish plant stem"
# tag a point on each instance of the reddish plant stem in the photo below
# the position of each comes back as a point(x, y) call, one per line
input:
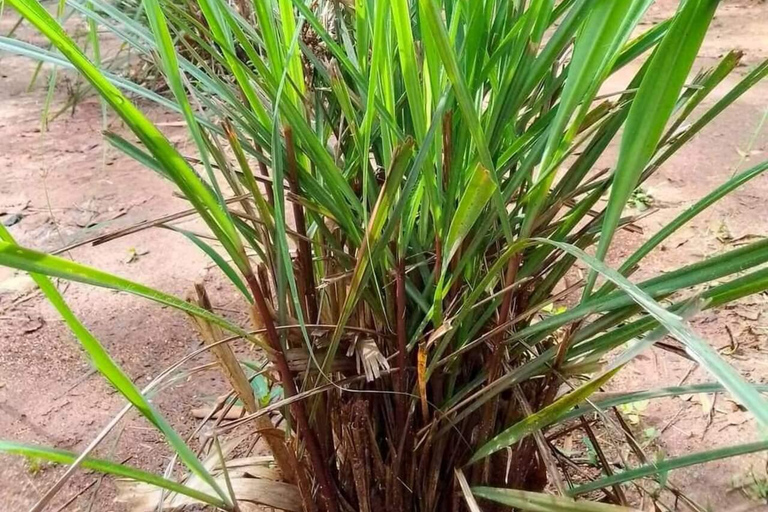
point(264, 278)
point(324, 484)
point(304, 247)
point(510, 276)
point(265, 172)
point(404, 461)
point(490, 409)
point(401, 340)
point(504, 312)
point(447, 164)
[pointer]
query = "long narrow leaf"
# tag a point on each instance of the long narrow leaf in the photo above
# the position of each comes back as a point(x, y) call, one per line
point(14, 256)
point(652, 107)
point(539, 502)
point(102, 361)
point(109, 468)
point(541, 418)
point(698, 348)
point(667, 465)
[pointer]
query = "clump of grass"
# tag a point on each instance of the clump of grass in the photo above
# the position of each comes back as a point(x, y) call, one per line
point(401, 191)
point(35, 465)
point(641, 199)
point(753, 485)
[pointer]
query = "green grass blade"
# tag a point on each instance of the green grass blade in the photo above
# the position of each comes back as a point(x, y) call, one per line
point(651, 109)
point(347, 64)
point(542, 418)
point(705, 271)
point(401, 19)
point(698, 348)
point(479, 190)
point(641, 44)
point(14, 256)
point(102, 361)
point(135, 153)
point(33, 52)
point(437, 28)
point(539, 502)
point(664, 466)
point(590, 340)
point(93, 39)
point(109, 468)
point(172, 74)
point(700, 88)
point(691, 212)
point(295, 71)
point(753, 77)
point(606, 28)
point(559, 40)
point(430, 134)
point(381, 212)
point(220, 21)
point(615, 399)
point(220, 262)
point(160, 147)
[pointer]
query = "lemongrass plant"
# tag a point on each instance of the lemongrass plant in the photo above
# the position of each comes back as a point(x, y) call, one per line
point(399, 190)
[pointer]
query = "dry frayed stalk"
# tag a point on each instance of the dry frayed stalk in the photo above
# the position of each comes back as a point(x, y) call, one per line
point(226, 358)
point(305, 432)
point(286, 461)
point(370, 361)
point(234, 373)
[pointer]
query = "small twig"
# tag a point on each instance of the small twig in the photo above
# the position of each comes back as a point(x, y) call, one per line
point(225, 472)
point(101, 478)
point(710, 415)
point(672, 420)
point(733, 345)
point(76, 495)
point(573, 465)
point(603, 461)
point(20, 300)
point(79, 381)
point(100, 239)
point(545, 450)
point(691, 368)
point(560, 433)
point(644, 459)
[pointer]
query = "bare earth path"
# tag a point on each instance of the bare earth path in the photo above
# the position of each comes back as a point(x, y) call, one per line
point(66, 186)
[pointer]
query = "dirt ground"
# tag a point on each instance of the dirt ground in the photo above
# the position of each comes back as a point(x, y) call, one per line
point(66, 185)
